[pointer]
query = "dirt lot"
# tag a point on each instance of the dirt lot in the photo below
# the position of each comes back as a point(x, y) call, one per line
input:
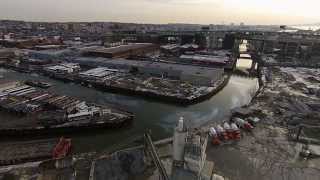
point(289, 98)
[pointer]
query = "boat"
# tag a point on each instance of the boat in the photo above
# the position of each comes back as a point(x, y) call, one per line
point(26, 151)
point(60, 122)
point(235, 131)
point(243, 124)
point(222, 133)
point(214, 135)
point(39, 84)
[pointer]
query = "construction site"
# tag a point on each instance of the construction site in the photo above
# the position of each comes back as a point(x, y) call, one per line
point(285, 142)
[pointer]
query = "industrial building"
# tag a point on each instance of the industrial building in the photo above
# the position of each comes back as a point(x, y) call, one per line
point(205, 59)
point(289, 48)
point(51, 54)
point(90, 61)
point(98, 74)
point(29, 43)
point(63, 68)
point(19, 43)
point(196, 75)
point(172, 49)
point(122, 51)
point(47, 47)
point(189, 155)
point(175, 49)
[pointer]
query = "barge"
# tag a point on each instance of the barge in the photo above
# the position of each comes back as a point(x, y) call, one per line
point(42, 112)
point(36, 150)
point(27, 151)
point(184, 101)
point(166, 90)
point(149, 93)
point(67, 128)
point(39, 84)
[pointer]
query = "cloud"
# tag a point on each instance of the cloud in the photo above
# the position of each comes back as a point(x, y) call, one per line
point(187, 2)
point(164, 11)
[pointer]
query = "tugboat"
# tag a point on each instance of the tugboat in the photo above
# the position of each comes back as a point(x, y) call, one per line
point(39, 84)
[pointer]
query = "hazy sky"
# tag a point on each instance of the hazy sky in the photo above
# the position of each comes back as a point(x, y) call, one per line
point(165, 11)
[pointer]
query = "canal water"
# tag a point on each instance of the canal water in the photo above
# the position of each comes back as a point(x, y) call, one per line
point(159, 117)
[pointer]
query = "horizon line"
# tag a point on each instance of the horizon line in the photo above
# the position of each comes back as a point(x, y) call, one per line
point(144, 23)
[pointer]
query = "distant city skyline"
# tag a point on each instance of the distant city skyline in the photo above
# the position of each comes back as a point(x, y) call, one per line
point(264, 12)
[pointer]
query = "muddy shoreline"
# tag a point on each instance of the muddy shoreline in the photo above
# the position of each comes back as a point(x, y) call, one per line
point(268, 152)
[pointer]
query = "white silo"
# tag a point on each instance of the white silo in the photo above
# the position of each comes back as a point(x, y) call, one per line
point(179, 141)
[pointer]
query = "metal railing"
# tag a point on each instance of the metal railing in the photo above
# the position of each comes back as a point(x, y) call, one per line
point(155, 157)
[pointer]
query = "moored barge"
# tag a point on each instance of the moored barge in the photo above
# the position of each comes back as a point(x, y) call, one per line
point(39, 84)
point(42, 112)
point(35, 150)
point(165, 97)
point(26, 151)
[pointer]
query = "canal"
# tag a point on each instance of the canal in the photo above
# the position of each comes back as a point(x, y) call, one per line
point(159, 117)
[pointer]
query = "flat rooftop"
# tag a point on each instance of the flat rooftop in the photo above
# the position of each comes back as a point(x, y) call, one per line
point(121, 48)
point(48, 51)
point(185, 69)
point(170, 46)
point(98, 72)
point(124, 63)
point(206, 58)
point(138, 63)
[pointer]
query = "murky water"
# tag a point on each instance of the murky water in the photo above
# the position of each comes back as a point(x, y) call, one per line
point(159, 117)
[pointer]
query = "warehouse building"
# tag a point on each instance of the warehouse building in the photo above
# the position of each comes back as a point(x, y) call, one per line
point(122, 51)
point(205, 59)
point(51, 54)
point(98, 74)
point(196, 75)
point(63, 68)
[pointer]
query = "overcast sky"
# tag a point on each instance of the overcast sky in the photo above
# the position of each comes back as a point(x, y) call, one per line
point(165, 11)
